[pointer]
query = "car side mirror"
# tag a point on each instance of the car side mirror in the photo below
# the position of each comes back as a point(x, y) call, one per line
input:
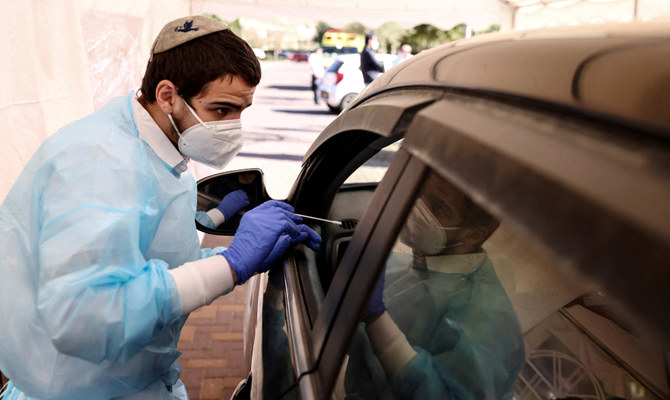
point(212, 189)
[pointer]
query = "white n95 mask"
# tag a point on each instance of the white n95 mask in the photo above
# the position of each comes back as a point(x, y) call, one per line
point(213, 143)
point(423, 231)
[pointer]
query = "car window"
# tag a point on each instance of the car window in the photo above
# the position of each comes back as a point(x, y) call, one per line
point(335, 66)
point(373, 170)
point(468, 308)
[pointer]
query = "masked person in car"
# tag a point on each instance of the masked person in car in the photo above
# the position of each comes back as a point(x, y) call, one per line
point(101, 260)
point(439, 324)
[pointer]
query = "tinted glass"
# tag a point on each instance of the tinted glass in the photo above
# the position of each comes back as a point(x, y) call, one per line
point(335, 66)
point(277, 369)
point(468, 308)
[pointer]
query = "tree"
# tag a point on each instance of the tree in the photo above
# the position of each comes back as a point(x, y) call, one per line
point(214, 17)
point(321, 28)
point(236, 27)
point(455, 33)
point(390, 35)
point(491, 28)
point(424, 36)
point(356, 27)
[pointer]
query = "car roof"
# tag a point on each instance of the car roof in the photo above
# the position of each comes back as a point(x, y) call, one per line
point(621, 70)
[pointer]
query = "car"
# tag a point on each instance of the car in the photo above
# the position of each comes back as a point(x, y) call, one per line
point(260, 53)
point(343, 80)
point(560, 135)
point(300, 56)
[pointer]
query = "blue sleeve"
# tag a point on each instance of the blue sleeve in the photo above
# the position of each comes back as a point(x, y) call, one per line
point(211, 252)
point(461, 374)
point(98, 296)
point(483, 364)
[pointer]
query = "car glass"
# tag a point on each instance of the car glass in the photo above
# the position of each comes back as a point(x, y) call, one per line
point(335, 66)
point(467, 308)
point(277, 366)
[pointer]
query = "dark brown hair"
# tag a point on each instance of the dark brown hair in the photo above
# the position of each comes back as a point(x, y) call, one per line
point(194, 64)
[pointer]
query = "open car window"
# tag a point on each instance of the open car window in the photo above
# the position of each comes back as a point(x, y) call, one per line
point(373, 170)
point(351, 201)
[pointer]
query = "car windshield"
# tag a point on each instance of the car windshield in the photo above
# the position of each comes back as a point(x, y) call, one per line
point(332, 50)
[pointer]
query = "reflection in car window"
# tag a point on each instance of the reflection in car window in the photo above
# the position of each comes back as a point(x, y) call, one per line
point(373, 170)
point(430, 322)
point(466, 308)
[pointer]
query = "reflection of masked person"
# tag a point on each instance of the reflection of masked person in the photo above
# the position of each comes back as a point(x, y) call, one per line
point(440, 325)
point(424, 233)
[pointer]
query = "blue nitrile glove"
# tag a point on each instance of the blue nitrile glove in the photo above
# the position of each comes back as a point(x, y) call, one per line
point(232, 203)
point(264, 235)
point(376, 306)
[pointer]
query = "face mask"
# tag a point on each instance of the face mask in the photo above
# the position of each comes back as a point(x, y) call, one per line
point(212, 143)
point(423, 231)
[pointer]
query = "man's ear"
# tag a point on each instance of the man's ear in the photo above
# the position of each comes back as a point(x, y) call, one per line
point(476, 236)
point(166, 96)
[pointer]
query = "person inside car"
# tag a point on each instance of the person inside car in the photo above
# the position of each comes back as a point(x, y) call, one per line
point(439, 324)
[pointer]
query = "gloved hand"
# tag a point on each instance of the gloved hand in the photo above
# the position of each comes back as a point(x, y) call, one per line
point(232, 203)
point(264, 235)
point(376, 306)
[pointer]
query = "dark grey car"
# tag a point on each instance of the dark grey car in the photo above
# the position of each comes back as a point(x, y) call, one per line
point(564, 137)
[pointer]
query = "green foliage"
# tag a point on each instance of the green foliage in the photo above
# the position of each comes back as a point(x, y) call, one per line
point(321, 28)
point(236, 27)
point(355, 27)
point(390, 36)
point(426, 36)
point(214, 17)
point(492, 28)
point(455, 33)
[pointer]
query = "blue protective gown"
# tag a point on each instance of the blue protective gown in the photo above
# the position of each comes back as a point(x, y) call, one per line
point(88, 233)
point(463, 327)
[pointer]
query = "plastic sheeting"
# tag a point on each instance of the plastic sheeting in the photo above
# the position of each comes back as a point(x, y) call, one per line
point(61, 60)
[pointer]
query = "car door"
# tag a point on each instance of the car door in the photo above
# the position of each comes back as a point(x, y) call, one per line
point(469, 142)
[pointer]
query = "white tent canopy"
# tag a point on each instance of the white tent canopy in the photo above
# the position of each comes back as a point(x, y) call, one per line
point(62, 59)
point(372, 13)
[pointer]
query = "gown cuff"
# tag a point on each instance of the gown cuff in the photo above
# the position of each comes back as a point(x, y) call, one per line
point(201, 282)
point(217, 216)
point(389, 344)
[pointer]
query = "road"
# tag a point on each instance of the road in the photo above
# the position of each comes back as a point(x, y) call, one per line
point(279, 127)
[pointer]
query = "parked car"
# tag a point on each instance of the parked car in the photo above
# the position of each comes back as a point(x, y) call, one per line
point(260, 53)
point(563, 136)
point(343, 80)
